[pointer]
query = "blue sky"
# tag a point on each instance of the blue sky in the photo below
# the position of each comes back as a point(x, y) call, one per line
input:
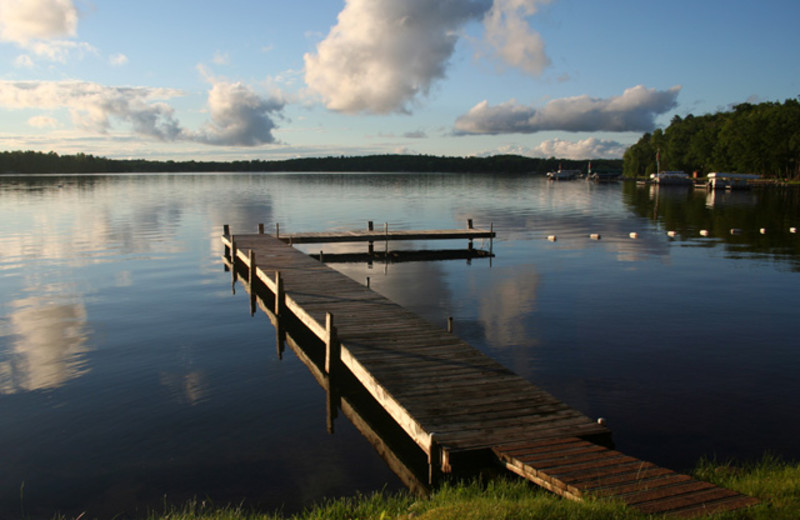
point(196, 79)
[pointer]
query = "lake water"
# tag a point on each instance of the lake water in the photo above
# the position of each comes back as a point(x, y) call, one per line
point(132, 377)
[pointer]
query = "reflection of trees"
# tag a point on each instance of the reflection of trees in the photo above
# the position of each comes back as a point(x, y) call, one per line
point(774, 209)
point(49, 340)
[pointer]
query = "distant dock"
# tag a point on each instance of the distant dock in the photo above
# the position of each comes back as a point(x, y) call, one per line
point(453, 402)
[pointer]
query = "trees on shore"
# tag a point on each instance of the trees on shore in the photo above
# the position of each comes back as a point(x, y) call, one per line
point(762, 139)
point(37, 162)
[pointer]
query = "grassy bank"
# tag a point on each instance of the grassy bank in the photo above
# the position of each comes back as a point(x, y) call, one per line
point(776, 483)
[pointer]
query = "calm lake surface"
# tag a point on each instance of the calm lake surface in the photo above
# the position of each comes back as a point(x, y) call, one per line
point(131, 376)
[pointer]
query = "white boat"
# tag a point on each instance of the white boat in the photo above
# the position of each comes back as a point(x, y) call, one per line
point(563, 175)
point(673, 178)
point(730, 181)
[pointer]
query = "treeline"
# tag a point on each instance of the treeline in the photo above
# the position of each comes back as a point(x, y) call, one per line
point(762, 139)
point(27, 162)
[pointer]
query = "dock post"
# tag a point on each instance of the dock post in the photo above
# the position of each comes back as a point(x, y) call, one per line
point(450, 324)
point(469, 223)
point(233, 264)
point(251, 277)
point(261, 229)
point(277, 230)
point(226, 232)
point(321, 257)
point(386, 234)
point(332, 347)
point(371, 243)
point(491, 238)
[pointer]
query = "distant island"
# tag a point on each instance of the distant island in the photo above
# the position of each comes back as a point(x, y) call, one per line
point(30, 162)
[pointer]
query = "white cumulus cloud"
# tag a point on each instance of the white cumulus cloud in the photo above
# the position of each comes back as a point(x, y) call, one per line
point(93, 106)
point(24, 20)
point(383, 53)
point(510, 36)
point(634, 111)
point(239, 116)
point(44, 27)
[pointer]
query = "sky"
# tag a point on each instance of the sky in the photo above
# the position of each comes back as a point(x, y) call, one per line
point(244, 79)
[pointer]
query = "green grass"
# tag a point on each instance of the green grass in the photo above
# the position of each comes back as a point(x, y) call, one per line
point(774, 482)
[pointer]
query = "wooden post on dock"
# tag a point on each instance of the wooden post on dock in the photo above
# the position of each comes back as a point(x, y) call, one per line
point(251, 279)
point(469, 226)
point(261, 229)
point(226, 231)
point(450, 324)
point(277, 230)
point(332, 347)
point(233, 264)
point(371, 243)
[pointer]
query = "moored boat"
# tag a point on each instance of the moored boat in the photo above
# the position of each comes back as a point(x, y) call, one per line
point(672, 178)
point(563, 175)
point(730, 181)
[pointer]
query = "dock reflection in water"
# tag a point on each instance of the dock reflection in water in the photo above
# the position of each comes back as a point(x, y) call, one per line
point(344, 393)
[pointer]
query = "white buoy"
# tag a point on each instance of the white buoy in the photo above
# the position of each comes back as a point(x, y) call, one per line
point(595, 236)
point(792, 230)
point(703, 232)
point(671, 234)
point(736, 231)
point(551, 238)
point(601, 421)
point(763, 231)
point(634, 234)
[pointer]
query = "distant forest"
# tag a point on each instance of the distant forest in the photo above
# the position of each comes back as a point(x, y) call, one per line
point(762, 139)
point(26, 162)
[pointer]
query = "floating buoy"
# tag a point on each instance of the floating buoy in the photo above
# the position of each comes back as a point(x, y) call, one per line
point(736, 231)
point(551, 238)
point(633, 235)
point(703, 232)
point(763, 231)
point(595, 236)
point(671, 234)
point(792, 230)
point(601, 421)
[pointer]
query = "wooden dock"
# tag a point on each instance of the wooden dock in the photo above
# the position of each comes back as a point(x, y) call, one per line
point(452, 401)
point(370, 234)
